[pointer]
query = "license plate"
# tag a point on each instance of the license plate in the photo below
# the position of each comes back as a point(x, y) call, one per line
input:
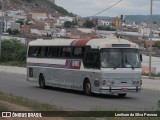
point(124, 89)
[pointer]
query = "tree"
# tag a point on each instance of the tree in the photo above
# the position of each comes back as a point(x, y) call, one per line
point(20, 22)
point(67, 24)
point(13, 50)
point(107, 28)
point(13, 32)
point(88, 24)
point(157, 44)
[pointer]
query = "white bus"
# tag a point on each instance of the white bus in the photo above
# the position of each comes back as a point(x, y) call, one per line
point(103, 66)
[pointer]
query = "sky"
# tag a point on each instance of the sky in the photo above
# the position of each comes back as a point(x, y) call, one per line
point(125, 7)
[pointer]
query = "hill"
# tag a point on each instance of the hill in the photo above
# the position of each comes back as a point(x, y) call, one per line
point(132, 18)
point(142, 18)
point(36, 6)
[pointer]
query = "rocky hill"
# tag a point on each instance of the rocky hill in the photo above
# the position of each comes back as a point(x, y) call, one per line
point(142, 18)
point(36, 6)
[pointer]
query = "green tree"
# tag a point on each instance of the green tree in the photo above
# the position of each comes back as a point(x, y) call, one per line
point(13, 50)
point(67, 24)
point(157, 44)
point(13, 32)
point(88, 24)
point(20, 22)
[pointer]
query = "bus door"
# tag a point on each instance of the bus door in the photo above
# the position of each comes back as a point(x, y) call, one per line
point(92, 63)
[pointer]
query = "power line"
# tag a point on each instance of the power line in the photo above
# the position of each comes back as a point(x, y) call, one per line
point(106, 8)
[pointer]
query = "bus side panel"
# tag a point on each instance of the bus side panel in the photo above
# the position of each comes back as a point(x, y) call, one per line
point(63, 78)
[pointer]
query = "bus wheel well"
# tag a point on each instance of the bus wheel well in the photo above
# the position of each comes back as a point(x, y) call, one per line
point(84, 82)
point(42, 81)
point(87, 86)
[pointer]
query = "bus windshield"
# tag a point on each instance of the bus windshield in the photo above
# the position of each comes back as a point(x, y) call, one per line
point(120, 58)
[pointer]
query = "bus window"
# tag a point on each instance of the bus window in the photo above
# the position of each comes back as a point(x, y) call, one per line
point(46, 51)
point(34, 51)
point(66, 52)
point(89, 60)
point(53, 52)
point(31, 52)
point(42, 52)
point(96, 60)
point(78, 53)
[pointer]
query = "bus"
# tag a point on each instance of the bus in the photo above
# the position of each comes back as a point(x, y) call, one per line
point(102, 65)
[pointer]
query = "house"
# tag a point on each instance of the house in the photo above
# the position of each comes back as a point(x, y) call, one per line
point(104, 22)
point(26, 29)
point(37, 16)
point(117, 22)
point(39, 25)
point(15, 26)
point(62, 20)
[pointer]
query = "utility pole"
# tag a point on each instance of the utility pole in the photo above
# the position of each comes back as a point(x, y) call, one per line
point(1, 31)
point(151, 27)
point(150, 49)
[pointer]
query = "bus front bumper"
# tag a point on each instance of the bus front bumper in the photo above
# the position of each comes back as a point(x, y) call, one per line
point(117, 90)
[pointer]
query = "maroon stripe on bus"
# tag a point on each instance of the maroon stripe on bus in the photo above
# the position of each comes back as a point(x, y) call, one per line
point(82, 42)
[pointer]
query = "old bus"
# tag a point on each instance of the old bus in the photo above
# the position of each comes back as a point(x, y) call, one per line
point(104, 66)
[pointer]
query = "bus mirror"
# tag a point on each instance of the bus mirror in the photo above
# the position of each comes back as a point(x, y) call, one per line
point(141, 57)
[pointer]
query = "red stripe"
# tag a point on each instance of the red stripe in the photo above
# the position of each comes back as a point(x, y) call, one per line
point(80, 42)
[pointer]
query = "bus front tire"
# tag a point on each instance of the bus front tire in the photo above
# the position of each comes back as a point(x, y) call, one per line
point(122, 94)
point(87, 88)
point(42, 82)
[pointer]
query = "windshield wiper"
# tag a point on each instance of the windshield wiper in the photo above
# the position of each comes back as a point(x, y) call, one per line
point(116, 67)
point(120, 64)
point(132, 67)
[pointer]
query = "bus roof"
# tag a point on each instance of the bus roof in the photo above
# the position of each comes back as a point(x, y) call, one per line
point(109, 42)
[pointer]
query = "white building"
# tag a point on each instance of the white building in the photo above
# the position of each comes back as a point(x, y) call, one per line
point(7, 24)
point(62, 20)
point(15, 26)
point(47, 26)
point(104, 22)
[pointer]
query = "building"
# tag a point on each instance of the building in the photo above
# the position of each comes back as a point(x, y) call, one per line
point(117, 22)
point(15, 26)
point(104, 22)
point(2, 28)
point(37, 16)
point(62, 20)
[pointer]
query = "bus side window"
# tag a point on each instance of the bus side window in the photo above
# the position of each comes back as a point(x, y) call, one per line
point(31, 51)
point(46, 51)
point(66, 52)
point(36, 52)
point(53, 52)
point(42, 52)
point(77, 52)
point(96, 60)
point(89, 60)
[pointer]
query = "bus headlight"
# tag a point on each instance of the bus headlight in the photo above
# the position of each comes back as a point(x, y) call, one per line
point(139, 82)
point(103, 82)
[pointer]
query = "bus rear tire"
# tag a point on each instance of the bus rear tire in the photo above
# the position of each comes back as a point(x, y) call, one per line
point(42, 81)
point(87, 88)
point(122, 94)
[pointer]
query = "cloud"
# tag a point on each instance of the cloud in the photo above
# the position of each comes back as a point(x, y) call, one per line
point(91, 7)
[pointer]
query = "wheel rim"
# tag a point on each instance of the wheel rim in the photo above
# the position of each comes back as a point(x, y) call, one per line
point(42, 82)
point(88, 88)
